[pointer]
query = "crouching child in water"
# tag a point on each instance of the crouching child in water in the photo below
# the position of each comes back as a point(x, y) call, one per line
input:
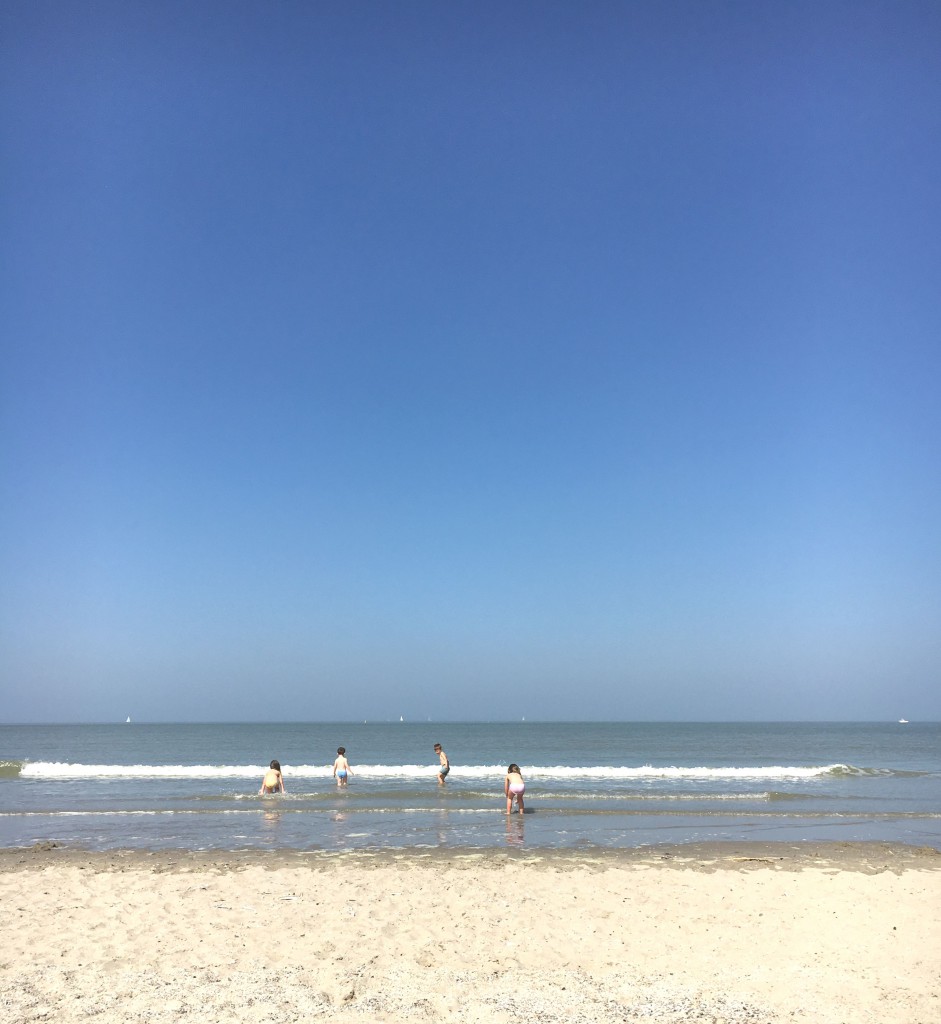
point(514, 787)
point(273, 782)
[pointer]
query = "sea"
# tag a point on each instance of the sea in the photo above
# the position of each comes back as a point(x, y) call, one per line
point(588, 785)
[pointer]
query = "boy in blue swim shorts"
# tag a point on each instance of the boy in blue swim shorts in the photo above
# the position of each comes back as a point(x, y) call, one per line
point(341, 767)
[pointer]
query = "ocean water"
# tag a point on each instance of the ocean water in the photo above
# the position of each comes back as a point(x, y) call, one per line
point(588, 785)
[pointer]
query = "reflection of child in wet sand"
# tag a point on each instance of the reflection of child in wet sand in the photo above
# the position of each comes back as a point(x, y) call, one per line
point(513, 786)
point(273, 782)
point(341, 767)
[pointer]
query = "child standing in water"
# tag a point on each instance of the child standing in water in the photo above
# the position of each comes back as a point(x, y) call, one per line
point(444, 765)
point(341, 767)
point(273, 782)
point(513, 786)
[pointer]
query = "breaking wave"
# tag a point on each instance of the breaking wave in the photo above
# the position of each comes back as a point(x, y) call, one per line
point(61, 770)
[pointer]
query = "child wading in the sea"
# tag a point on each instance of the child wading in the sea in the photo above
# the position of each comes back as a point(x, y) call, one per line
point(341, 767)
point(444, 765)
point(273, 782)
point(514, 787)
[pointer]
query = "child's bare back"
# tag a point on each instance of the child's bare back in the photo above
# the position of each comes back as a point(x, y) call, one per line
point(273, 782)
point(341, 767)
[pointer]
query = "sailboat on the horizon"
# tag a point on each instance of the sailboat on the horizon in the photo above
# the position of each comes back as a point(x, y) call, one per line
point(128, 722)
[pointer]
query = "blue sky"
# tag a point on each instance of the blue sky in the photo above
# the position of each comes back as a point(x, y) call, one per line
point(470, 361)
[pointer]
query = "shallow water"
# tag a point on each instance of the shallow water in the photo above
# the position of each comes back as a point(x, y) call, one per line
point(588, 784)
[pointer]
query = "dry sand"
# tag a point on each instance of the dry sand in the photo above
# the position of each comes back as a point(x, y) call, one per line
point(811, 933)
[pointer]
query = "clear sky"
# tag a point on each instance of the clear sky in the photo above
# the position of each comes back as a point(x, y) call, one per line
point(470, 360)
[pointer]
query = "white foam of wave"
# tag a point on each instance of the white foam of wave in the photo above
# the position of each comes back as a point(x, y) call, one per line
point(61, 770)
point(166, 812)
point(680, 772)
point(651, 797)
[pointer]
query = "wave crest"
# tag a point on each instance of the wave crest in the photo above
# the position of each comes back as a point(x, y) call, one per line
point(62, 770)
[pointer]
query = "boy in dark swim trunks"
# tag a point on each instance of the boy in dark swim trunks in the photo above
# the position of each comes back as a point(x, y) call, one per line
point(445, 765)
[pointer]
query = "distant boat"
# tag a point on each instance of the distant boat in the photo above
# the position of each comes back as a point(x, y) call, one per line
point(128, 720)
point(903, 721)
point(401, 719)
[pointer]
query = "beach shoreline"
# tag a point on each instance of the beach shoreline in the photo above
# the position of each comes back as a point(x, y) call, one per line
point(866, 857)
point(728, 932)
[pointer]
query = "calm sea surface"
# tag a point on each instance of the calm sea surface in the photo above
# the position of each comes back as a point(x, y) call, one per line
point(588, 784)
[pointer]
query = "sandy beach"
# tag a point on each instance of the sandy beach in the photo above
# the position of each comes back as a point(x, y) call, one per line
point(824, 934)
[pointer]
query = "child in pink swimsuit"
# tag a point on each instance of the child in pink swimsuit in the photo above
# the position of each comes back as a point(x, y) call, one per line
point(514, 787)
